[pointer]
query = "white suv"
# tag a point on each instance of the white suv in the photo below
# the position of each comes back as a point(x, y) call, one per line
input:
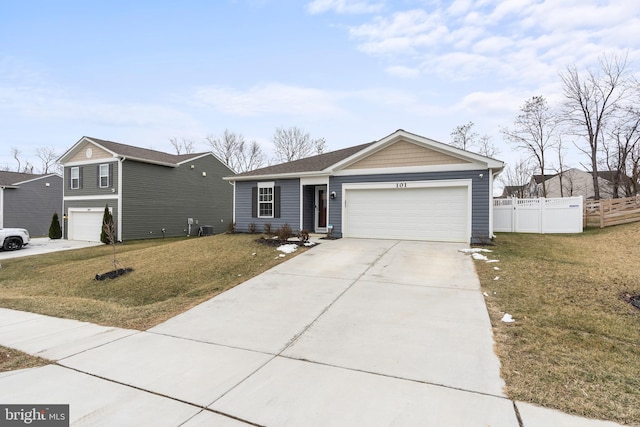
point(12, 239)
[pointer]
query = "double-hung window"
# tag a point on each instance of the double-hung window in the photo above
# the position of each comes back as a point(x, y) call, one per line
point(75, 178)
point(265, 199)
point(104, 176)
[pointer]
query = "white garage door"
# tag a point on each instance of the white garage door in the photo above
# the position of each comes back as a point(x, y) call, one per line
point(85, 225)
point(439, 214)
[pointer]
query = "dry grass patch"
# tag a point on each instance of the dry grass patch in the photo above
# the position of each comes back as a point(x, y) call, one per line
point(575, 344)
point(170, 276)
point(11, 360)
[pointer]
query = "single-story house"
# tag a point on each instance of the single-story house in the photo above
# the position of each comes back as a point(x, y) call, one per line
point(403, 186)
point(29, 201)
point(150, 193)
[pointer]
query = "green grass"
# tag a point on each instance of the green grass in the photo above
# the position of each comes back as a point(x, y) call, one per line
point(575, 344)
point(170, 276)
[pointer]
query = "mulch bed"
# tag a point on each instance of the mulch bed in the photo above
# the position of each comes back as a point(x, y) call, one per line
point(634, 300)
point(113, 274)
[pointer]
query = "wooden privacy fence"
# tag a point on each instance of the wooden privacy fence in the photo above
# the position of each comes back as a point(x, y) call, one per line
point(603, 213)
point(559, 215)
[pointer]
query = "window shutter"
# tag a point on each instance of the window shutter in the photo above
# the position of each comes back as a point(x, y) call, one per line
point(276, 202)
point(80, 176)
point(98, 177)
point(110, 175)
point(254, 202)
point(69, 178)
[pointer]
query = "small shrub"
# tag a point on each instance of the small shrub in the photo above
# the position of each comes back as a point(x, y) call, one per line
point(108, 230)
point(303, 236)
point(267, 229)
point(55, 231)
point(231, 228)
point(252, 228)
point(284, 233)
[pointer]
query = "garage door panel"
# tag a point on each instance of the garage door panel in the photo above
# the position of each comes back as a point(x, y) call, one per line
point(85, 226)
point(431, 213)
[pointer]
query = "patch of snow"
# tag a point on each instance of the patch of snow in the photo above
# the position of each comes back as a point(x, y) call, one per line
point(253, 254)
point(282, 255)
point(287, 249)
point(493, 260)
point(496, 278)
point(309, 243)
point(485, 294)
point(496, 268)
point(473, 250)
point(478, 256)
point(507, 318)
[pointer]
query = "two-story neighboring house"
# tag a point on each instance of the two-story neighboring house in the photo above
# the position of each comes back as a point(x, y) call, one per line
point(29, 201)
point(150, 193)
point(575, 182)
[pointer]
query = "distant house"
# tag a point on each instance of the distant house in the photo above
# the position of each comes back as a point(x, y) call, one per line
point(29, 201)
point(576, 182)
point(150, 193)
point(518, 191)
point(403, 186)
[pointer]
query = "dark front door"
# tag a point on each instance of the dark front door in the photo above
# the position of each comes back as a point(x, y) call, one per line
point(321, 204)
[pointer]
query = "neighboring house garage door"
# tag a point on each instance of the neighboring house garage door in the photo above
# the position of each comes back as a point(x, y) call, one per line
point(408, 211)
point(85, 225)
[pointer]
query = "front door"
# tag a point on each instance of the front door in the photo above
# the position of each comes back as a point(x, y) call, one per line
point(321, 209)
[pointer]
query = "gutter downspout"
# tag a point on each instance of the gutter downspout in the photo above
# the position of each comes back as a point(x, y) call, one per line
point(1, 207)
point(120, 162)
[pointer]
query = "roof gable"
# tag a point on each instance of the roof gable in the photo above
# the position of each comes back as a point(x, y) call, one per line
point(403, 153)
point(101, 148)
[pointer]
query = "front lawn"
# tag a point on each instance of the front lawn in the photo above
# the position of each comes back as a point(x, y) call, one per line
point(168, 277)
point(575, 342)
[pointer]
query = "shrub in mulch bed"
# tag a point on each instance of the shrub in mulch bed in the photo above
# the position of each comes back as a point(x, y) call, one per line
point(113, 274)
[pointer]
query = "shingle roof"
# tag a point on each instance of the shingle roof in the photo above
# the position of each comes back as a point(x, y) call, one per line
point(143, 153)
point(11, 178)
point(308, 164)
point(538, 178)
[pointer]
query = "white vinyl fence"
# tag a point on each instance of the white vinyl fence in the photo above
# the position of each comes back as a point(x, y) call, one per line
point(562, 215)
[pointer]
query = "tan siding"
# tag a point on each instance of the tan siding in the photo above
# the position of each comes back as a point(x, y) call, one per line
point(403, 153)
point(97, 153)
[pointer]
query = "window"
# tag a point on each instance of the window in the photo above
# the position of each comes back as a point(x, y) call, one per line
point(75, 178)
point(103, 180)
point(265, 200)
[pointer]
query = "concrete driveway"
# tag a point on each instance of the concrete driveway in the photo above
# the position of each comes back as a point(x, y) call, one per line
point(44, 245)
point(350, 333)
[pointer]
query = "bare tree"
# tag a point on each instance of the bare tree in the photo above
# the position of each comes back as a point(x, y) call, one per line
point(591, 102)
point(518, 176)
point(294, 143)
point(624, 138)
point(47, 156)
point(236, 153)
point(486, 147)
point(534, 131)
point(186, 146)
point(463, 137)
point(15, 152)
point(250, 156)
point(561, 166)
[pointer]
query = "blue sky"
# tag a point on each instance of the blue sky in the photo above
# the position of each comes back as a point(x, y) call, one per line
point(351, 71)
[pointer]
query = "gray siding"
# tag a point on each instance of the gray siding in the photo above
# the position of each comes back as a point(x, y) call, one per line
point(90, 185)
point(156, 197)
point(480, 196)
point(32, 205)
point(289, 205)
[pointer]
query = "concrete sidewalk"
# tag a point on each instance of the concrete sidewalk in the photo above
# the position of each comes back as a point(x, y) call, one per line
point(350, 333)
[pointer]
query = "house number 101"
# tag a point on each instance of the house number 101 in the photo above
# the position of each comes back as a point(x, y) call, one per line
point(401, 185)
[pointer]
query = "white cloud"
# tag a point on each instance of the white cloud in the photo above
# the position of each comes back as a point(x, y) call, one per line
point(402, 71)
point(273, 98)
point(344, 6)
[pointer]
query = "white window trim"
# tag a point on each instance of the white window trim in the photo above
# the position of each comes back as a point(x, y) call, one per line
point(271, 185)
point(77, 178)
point(106, 166)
